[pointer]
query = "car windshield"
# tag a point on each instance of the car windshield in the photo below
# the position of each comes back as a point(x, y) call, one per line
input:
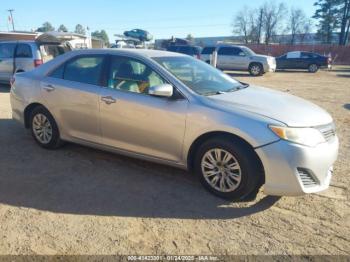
point(248, 51)
point(199, 76)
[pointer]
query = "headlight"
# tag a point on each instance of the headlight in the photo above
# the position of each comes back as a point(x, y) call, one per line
point(304, 136)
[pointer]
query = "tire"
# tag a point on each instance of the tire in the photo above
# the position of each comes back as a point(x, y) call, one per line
point(44, 128)
point(248, 179)
point(313, 68)
point(256, 69)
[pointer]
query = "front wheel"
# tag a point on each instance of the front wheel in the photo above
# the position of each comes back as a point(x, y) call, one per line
point(256, 69)
point(313, 68)
point(228, 169)
point(44, 128)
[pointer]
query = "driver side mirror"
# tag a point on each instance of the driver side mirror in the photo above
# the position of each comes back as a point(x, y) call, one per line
point(164, 90)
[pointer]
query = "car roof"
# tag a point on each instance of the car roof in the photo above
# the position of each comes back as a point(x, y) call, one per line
point(229, 45)
point(127, 51)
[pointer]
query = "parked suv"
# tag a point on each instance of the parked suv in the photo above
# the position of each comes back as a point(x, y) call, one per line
point(21, 56)
point(190, 50)
point(303, 60)
point(231, 57)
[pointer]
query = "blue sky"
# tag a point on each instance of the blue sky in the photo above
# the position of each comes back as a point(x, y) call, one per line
point(161, 18)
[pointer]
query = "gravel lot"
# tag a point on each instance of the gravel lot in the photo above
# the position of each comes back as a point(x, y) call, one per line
point(83, 201)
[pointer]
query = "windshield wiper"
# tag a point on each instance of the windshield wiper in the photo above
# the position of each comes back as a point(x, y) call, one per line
point(214, 93)
point(236, 88)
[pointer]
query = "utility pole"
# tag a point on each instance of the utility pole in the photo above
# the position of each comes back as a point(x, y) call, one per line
point(13, 24)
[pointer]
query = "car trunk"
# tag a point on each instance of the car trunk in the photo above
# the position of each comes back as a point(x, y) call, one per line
point(49, 51)
point(50, 47)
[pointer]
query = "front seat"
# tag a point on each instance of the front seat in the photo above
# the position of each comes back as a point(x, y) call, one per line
point(125, 80)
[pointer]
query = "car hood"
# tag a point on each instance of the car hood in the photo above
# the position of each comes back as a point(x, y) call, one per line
point(288, 109)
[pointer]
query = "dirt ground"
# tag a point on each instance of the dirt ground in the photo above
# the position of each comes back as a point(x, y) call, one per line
point(78, 200)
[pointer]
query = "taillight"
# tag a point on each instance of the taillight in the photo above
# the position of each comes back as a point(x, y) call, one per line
point(38, 62)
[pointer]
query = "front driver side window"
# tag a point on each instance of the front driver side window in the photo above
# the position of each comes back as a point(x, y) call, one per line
point(131, 75)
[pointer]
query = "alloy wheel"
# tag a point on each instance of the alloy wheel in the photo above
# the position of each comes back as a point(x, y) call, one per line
point(42, 128)
point(221, 170)
point(255, 70)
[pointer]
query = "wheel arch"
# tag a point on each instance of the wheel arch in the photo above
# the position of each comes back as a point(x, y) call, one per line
point(204, 137)
point(256, 63)
point(28, 110)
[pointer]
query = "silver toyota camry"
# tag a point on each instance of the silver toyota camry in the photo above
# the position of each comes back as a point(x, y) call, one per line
point(176, 110)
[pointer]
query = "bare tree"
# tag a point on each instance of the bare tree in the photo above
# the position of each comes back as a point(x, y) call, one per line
point(345, 21)
point(248, 23)
point(273, 19)
point(306, 29)
point(296, 23)
point(259, 24)
point(242, 24)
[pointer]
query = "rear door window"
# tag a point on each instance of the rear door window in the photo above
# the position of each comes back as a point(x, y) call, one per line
point(305, 55)
point(7, 50)
point(24, 51)
point(233, 51)
point(83, 69)
point(293, 55)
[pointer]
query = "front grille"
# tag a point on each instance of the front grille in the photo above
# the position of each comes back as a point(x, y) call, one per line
point(307, 178)
point(328, 131)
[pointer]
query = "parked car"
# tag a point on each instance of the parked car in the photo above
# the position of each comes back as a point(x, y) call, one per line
point(176, 110)
point(207, 52)
point(21, 56)
point(231, 57)
point(303, 60)
point(190, 50)
point(140, 34)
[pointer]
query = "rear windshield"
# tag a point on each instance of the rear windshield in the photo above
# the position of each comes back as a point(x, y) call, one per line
point(208, 50)
point(50, 51)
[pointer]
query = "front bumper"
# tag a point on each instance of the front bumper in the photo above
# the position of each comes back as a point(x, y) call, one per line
point(293, 170)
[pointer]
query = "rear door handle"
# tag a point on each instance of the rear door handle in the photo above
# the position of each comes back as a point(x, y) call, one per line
point(108, 100)
point(49, 88)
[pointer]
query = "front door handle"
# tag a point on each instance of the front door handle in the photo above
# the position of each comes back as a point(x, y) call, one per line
point(108, 100)
point(49, 88)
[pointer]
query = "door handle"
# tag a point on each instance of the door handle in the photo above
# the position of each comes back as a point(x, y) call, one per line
point(49, 88)
point(108, 100)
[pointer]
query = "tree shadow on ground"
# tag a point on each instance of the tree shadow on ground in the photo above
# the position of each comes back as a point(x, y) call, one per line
point(84, 181)
point(343, 75)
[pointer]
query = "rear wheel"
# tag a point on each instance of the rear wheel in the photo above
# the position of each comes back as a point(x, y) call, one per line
point(256, 69)
point(44, 128)
point(228, 169)
point(313, 68)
